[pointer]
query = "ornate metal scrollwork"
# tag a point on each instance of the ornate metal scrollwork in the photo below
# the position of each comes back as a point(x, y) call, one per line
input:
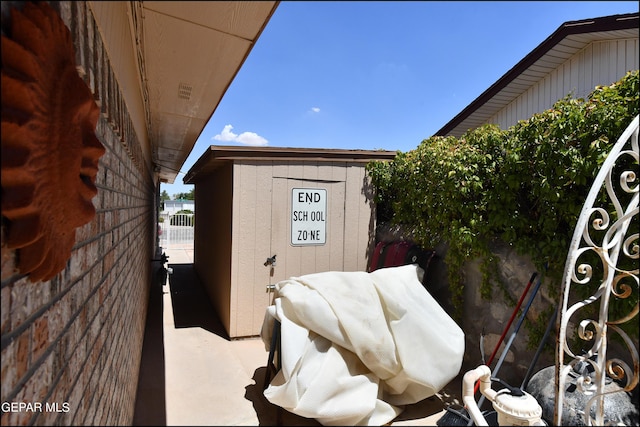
point(603, 258)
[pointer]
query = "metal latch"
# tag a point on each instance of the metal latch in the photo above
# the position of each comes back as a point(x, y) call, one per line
point(271, 288)
point(270, 261)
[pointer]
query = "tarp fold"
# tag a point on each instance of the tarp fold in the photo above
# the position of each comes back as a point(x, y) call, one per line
point(356, 346)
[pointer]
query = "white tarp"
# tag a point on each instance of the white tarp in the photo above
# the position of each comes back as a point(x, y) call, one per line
point(357, 346)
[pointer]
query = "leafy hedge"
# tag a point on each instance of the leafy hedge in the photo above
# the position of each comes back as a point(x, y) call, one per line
point(525, 185)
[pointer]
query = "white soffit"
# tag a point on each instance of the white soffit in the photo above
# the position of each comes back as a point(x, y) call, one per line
point(192, 51)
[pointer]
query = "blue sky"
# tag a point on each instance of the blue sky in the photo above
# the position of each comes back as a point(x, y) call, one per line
point(376, 74)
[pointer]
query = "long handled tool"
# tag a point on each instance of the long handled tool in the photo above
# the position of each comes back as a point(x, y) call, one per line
point(511, 338)
point(550, 323)
point(455, 417)
point(506, 329)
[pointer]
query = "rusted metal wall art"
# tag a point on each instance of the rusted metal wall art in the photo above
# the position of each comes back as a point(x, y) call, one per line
point(50, 151)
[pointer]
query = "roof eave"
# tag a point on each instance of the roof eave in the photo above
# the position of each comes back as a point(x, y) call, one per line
point(603, 24)
point(221, 154)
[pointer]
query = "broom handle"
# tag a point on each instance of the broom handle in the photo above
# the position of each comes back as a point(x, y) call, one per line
point(515, 331)
point(550, 324)
point(511, 338)
point(504, 333)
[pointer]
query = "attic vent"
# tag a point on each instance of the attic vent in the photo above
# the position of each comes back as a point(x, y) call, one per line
point(184, 91)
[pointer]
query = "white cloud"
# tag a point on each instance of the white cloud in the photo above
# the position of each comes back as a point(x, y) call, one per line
point(226, 134)
point(251, 138)
point(246, 138)
point(315, 109)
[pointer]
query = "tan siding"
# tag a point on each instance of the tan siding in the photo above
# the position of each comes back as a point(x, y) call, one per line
point(310, 170)
point(295, 171)
point(322, 253)
point(340, 173)
point(621, 57)
point(584, 74)
point(235, 244)
point(288, 257)
point(212, 255)
point(600, 63)
point(308, 254)
point(328, 171)
point(261, 224)
point(531, 103)
point(335, 228)
point(631, 55)
point(368, 223)
point(246, 235)
point(351, 217)
point(262, 247)
point(601, 69)
point(280, 214)
point(546, 99)
point(612, 64)
point(535, 97)
point(292, 255)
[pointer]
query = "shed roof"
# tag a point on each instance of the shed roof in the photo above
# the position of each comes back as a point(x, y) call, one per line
point(218, 155)
point(567, 40)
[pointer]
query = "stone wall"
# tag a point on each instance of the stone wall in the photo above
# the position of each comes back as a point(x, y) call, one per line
point(71, 346)
point(492, 316)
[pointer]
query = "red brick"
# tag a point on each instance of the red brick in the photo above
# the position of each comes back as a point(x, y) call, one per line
point(40, 336)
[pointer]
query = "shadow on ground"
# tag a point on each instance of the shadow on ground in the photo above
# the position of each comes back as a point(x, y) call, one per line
point(268, 413)
point(192, 308)
point(191, 304)
point(272, 415)
point(424, 408)
point(151, 379)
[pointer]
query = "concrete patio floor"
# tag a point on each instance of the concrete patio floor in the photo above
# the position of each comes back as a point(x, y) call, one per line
point(193, 374)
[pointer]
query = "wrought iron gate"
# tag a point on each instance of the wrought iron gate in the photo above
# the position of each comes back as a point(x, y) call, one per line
point(604, 251)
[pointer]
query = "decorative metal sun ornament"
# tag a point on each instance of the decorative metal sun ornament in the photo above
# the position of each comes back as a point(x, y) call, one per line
point(50, 151)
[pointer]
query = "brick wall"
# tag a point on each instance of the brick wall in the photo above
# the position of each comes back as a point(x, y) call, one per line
point(71, 346)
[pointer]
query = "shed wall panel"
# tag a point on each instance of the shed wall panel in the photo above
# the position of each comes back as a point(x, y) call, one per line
point(330, 171)
point(280, 212)
point(336, 233)
point(212, 255)
point(262, 248)
point(251, 240)
point(310, 170)
point(258, 195)
point(359, 218)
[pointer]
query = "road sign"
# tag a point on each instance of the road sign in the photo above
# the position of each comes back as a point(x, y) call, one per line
point(308, 216)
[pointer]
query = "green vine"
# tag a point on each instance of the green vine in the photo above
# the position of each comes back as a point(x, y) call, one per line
point(525, 185)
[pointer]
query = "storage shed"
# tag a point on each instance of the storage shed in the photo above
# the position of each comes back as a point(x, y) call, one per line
point(269, 213)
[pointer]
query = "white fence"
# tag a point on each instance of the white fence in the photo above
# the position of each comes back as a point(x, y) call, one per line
point(176, 229)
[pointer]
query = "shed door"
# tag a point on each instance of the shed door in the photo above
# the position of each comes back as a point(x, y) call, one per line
point(295, 241)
